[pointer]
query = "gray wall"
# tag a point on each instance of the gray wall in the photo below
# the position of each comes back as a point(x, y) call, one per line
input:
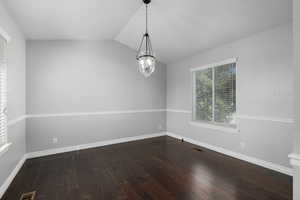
point(89, 76)
point(16, 95)
point(297, 72)
point(78, 130)
point(296, 28)
point(264, 89)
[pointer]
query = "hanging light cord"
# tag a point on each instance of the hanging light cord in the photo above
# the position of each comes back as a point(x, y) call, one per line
point(146, 38)
point(147, 29)
point(146, 18)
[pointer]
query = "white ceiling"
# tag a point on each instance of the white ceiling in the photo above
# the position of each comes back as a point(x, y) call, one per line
point(72, 19)
point(183, 27)
point(179, 28)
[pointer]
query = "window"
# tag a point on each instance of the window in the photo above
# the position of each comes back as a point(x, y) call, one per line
point(3, 93)
point(214, 93)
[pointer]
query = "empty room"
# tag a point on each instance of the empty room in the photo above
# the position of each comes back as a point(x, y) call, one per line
point(149, 99)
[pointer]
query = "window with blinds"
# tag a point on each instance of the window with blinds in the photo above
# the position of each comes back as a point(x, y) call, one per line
point(3, 93)
point(214, 94)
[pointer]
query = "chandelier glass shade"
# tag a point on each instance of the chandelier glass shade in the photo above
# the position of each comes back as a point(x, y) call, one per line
point(145, 57)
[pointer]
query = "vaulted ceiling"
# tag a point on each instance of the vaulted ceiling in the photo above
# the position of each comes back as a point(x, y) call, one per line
point(179, 28)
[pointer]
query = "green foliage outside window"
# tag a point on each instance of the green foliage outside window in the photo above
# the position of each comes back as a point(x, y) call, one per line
point(215, 94)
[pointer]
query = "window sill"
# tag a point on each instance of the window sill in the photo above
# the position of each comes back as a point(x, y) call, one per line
point(214, 127)
point(4, 148)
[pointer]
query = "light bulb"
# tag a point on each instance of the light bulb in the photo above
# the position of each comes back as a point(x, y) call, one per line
point(146, 65)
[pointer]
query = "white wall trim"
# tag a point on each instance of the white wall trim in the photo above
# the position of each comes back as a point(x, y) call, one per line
point(179, 111)
point(255, 161)
point(258, 118)
point(92, 145)
point(269, 165)
point(16, 120)
point(17, 168)
point(295, 159)
point(11, 176)
point(214, 127)
point(263, 118)
point(5, 35)
point(216, 64)
point(95, 113)
point(20, 118)
point(4, 148)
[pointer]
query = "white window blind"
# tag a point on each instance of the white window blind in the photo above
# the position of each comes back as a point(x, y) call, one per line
point(3, 93)
point(214, 94)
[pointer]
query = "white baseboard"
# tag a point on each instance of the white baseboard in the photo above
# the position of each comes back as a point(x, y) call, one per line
point(249, 159)
point(92, 145)
point(269, 165)
point(11, 177)
point(15, 171)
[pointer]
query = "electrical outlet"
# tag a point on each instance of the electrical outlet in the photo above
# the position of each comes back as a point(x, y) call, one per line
point(55, 140)
point(242, 145)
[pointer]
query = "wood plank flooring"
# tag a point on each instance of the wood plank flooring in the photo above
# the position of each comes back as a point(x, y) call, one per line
point(160, 168)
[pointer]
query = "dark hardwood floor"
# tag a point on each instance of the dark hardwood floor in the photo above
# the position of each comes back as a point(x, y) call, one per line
point(159, 168)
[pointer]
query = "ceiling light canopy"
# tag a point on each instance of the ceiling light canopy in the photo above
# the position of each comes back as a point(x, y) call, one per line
point(145, 56)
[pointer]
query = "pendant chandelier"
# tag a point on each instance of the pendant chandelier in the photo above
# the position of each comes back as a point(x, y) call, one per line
point(145, 56)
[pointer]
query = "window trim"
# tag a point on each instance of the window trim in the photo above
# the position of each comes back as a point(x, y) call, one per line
point(207, 124)
point(4, 148)
point(214, 126)
point(5, 35)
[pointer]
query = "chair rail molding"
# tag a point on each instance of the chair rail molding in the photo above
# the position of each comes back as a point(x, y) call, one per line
point(16, 120)
point(248, 117)
point(112, 112)
point(295, 159)
point(178, 111)
point(5, 35)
